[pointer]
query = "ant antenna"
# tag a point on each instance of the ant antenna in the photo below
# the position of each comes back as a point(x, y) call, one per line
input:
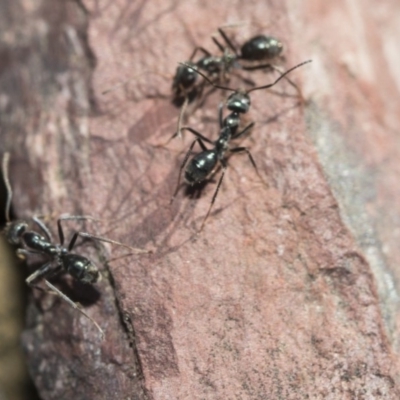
point(251, 90)
point(282, 76)
point(6, 160)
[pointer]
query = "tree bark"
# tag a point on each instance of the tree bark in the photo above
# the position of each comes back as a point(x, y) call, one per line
point(291, 290)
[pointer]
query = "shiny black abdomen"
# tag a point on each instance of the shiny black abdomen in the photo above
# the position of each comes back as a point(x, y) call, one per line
point(200, 166)
point(261, 47)
point(80, 268)
point(185, 77)
point(14, 231)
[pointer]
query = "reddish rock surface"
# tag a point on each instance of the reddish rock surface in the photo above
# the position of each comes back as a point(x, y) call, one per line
point(291, 290)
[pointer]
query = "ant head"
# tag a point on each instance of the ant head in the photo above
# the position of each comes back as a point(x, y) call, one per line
point(185, 76)
point(6, 160)
point(197, 71)
point(238, 102)
point(81, 268)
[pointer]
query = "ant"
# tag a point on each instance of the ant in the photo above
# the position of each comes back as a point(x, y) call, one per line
point(216, 69)
point(202, 165)
point(184, 82)
point(184, 85)
point(260, 47)
point(60, 258)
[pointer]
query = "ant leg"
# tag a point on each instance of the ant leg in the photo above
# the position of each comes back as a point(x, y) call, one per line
point(199, 136)
point(43, 271)
point(202, 49)
point(71, 218)
point(5, 164)
point(224, 166)
point(255, 67)
point(179, 125)
point(74, 305)
point(244, 131)
point(180, 119)
point(39, 273)
point(218, 44)
point(103, 239)
point(246, 150)
point(197, 140)
point(220, 115)
point(228, 41)
point(43, 227)
point(46, 269)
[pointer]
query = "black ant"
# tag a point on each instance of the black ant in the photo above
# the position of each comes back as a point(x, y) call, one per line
point(184, 82)
point(202, 165)
point(60, 258)
point(259, 47)
point(239, 101)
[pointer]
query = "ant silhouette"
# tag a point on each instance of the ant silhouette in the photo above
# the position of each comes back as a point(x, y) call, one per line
point(202, 165)
point(259, 47)
point(60, 258)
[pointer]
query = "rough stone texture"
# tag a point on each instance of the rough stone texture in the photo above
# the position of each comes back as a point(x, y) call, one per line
point(290, 291)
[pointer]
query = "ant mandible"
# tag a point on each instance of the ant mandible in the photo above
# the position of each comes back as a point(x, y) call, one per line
point(60, 258)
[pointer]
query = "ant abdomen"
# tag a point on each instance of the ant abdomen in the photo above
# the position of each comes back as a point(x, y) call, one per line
point(14, 231)
point(261, 47)
point(200, 166)
point(185, 77)
point(81, 268)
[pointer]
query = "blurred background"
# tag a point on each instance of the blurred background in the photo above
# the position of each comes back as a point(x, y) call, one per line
point(15, 383)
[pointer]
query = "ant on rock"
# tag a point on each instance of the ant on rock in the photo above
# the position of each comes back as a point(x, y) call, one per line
point(60, 258)
point(202, 165)
point(258, 48)
point(217, 68)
